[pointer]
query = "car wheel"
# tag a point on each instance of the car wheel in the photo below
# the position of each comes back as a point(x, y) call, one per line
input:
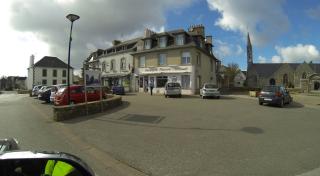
point(281, 103)
point(180, 95)
point(203, 97)
point(260, 103)
point(218, 97)
point(166, 96)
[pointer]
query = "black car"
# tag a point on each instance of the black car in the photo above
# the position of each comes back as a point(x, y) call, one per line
point(274, 95)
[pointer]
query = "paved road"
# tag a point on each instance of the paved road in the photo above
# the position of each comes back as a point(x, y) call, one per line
point(187, 136)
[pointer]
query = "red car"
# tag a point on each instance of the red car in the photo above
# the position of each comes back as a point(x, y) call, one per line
point(77, 95)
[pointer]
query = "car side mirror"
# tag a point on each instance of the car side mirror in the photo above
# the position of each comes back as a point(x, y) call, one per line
point(42, 163)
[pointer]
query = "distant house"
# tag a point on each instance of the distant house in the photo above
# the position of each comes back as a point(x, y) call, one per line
point(240, 79)
point(48, 71)
point(13, 82)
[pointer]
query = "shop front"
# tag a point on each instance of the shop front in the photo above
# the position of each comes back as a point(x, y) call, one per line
point(159, 76)
point(117, 80)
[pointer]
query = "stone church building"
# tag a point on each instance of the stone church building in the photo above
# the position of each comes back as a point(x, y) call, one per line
point(292, 75)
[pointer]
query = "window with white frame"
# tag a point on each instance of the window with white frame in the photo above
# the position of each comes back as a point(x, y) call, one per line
point(142, 61)
point(162, 59)
point(180, 39)
point(123, 63)
point(112, 64)
point(163, 42)
point(185, 81)
point(186, 58)
point(147, 44)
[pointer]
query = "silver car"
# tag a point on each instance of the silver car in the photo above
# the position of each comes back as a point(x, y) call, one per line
point(172, 89)
point(209, 90)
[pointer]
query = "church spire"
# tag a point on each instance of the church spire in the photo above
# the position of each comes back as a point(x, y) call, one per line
point(249, 51)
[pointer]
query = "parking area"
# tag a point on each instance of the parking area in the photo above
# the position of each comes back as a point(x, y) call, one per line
point(232, 135)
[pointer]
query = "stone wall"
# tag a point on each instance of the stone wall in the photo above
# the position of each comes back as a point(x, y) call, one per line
point(61, 113)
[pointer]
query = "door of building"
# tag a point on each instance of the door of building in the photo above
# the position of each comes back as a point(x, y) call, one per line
point(145, 83)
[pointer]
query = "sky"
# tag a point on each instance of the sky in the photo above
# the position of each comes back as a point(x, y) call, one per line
point(281, 31)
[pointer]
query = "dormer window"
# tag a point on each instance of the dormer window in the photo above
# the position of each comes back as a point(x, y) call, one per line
point(147, 44)
point(163, 41)
point(180, 39)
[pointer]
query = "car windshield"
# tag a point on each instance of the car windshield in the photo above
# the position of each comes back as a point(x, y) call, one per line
point(165, 87)
point(210, 86)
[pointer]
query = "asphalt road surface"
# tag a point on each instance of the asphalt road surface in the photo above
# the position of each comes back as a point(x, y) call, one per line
point(152, 135)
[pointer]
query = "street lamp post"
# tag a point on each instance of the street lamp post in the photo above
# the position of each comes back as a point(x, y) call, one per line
point(72, 18)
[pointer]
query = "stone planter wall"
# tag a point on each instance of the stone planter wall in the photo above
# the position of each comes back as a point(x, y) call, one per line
point(61, 113)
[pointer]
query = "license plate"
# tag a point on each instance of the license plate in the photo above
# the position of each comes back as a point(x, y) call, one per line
point(268, 99)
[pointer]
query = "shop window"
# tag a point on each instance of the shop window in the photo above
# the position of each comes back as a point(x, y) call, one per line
point(161, 81)
point(186, 58)
point(185, 81)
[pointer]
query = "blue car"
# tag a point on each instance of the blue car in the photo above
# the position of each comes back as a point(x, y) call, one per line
point(118, 90)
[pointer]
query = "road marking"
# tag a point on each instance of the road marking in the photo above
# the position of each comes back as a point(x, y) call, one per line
point(97, 154)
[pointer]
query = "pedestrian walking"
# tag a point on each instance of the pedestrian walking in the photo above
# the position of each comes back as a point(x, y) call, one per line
point(151, 87)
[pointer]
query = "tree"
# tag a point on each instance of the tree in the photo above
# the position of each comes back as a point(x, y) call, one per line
point(231, 71)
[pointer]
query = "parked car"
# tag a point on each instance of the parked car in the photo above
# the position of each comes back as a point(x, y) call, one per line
point(35, 90)
point(210, 90)
point(118, 90)
point(54, 90)
point(77, 95)
point(172, 89)
point(41, 90)
point(44, 95)
point(274, 95)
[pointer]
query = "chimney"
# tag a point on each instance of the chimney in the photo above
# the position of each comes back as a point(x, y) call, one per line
point(209, 39)
point(31, 61)
point(148, 33)
point(197, 30)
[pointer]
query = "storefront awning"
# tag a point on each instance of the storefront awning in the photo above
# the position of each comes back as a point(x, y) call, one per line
point(106, 75)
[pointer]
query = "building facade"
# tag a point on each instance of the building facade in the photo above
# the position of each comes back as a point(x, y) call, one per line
point(116, 64)
point(293, 75)
point(175, 56)
point(48, 71)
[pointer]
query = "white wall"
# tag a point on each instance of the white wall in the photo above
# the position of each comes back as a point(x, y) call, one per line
point(38, 76)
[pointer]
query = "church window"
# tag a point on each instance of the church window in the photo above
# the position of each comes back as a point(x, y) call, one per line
point(304, 75)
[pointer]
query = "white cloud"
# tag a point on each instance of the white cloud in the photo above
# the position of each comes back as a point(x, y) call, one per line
point(44, 23)
point(276, 59)
point(298, 53)
point(262, 59)
point(224, 49)
point(263, 19)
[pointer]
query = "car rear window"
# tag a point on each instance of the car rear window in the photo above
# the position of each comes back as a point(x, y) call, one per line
point(173, 85)
point(270, 89)
point(210, 86)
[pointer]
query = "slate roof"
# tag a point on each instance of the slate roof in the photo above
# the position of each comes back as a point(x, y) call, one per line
point(267, 69)
point(49, 61)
